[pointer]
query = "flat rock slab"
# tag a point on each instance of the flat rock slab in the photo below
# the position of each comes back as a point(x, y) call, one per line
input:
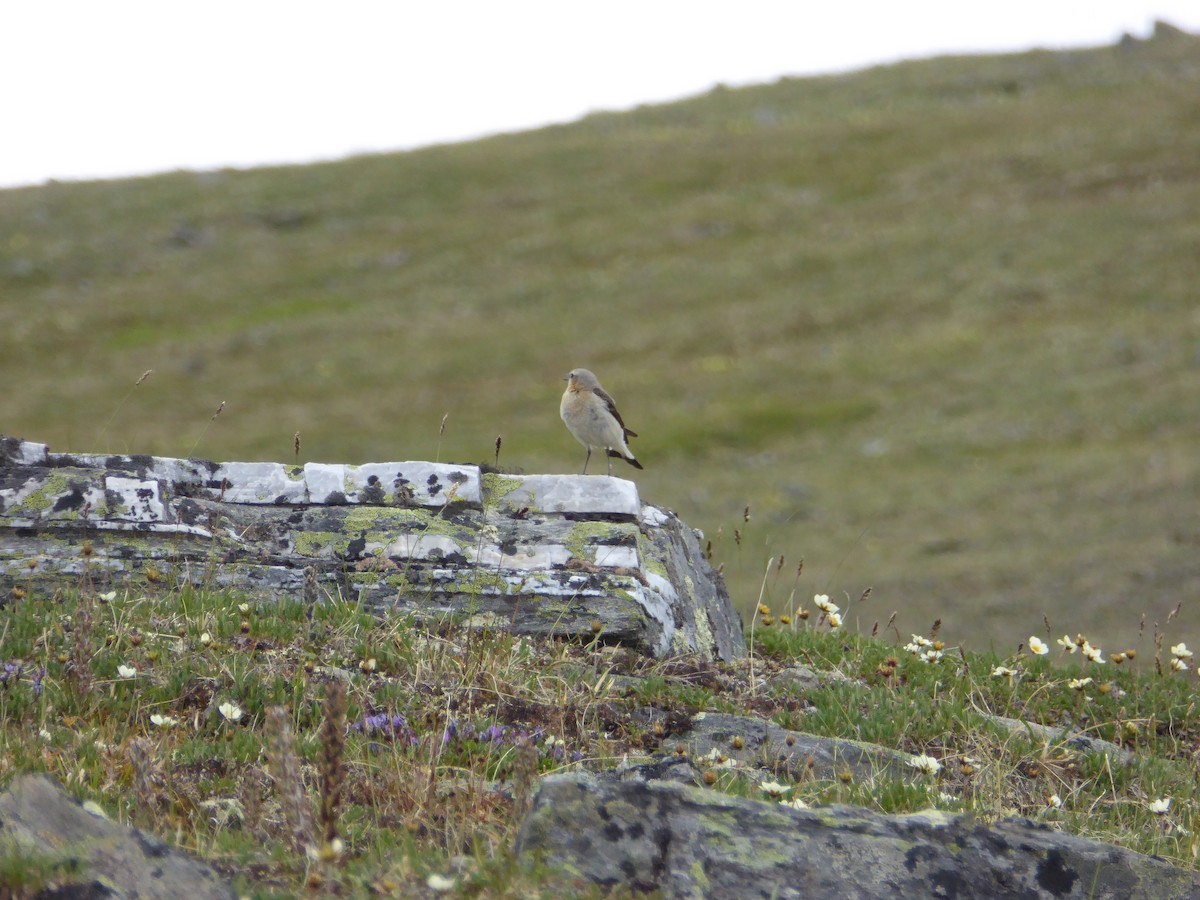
point(112, 860)
point(536, 554)
point(758, 742)
point(691, 842)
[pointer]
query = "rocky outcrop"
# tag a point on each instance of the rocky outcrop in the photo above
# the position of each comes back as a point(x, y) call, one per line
point(541, 554)
point(93, 856)
point(657, 834)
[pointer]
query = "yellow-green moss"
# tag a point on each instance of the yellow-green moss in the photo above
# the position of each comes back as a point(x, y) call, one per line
point(314, 543)
point(496, 486)
point(583, 533)
point(39, 501)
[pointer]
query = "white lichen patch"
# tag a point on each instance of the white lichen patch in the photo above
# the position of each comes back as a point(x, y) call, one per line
point(240, 482)
point(595, 495)
point(138, 501)
point(537, 556)
point(423, 546)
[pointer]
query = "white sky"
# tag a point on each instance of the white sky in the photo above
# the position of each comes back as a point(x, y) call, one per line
point(107, 88)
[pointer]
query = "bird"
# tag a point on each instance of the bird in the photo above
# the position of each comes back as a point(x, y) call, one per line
point(591, 416)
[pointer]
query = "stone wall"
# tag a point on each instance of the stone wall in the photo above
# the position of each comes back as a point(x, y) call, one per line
point(541, 554)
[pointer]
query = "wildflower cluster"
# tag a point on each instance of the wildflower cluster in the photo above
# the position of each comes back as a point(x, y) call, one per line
point(1180, 655)
point(1080, 643)
point(924, 649)
point(831, 611)
point(467, 735)
point(11, 674)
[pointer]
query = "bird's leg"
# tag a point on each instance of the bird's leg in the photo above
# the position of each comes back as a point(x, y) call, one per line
point(609, 458)
point(585, 460)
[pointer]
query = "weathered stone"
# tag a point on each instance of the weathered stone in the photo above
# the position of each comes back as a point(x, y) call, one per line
point(654, 835)
point(1060, 735)
point(540, 554)
point(573, 494)
point(112, 860)
point(760, 742)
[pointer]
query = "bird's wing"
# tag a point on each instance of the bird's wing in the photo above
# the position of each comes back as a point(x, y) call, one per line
point(612, 409)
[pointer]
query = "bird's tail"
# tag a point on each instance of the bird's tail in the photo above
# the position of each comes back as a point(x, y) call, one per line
point(629, 459)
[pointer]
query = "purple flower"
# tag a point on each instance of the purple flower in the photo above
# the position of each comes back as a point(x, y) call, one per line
point(37, 681)
point(11, 670)
point(390, 725)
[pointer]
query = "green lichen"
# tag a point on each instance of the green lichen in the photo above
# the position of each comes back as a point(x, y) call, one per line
point(400, 584)
point(40, 500)
point(379, 518)
point(496, 486)
point(584, 533)
point(653, 564)
point(486, 620)
point(705, 642)
point(476, 581)
point(295, 473)
point(321, 543)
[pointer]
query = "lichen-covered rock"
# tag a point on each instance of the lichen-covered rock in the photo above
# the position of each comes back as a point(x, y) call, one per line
point(540, 554)
point(106, 859)
point(760, 742)
point(684, 841)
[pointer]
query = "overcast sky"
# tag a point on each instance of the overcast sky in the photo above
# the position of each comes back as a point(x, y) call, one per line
point(108, 88)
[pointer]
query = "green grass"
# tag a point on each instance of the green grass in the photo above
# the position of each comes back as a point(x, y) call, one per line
point(935, 323)
point(445, 731)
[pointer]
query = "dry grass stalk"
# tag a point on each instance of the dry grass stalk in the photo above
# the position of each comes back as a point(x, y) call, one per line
point(284, 766)
point(333, 763)
point(145, 777)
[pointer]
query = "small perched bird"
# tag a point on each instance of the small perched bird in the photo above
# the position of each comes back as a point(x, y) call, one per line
point(591, 415)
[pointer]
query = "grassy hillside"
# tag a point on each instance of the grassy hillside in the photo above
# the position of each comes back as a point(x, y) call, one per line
point(936, 324)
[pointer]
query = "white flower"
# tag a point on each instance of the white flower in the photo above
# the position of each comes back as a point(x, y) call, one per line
point(440, 883)
point(915, 645)
point(206, 639)
point(1180, 651)
point(822, 603)
point(243, 608)
point(163, 721)
point(230, 711)
point(773, 788)
point(1037, 645)
point(932, 656)
point(926, 764)
point(1055, 801)
point(719, 760)
point(1067, 643)
point(126, 671)
point(835, 620)
point(44, 734)
point(107, 598)
point(1079, 683)
point(794, 803)
point(1160, 807)
point(1178, 665)
point(1003, 672)
point(1092, 653)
